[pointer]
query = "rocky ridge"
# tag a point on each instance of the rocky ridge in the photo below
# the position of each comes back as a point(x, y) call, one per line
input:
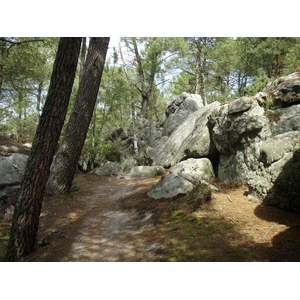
point(251, 139)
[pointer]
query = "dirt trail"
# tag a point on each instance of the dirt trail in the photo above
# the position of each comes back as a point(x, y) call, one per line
point(94, 227)
point(109, 233)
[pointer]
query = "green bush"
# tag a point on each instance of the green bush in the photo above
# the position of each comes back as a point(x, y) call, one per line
point(199, 195)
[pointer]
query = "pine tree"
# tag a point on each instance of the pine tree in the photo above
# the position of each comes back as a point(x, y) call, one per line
point(23, 234)
point(65, 162)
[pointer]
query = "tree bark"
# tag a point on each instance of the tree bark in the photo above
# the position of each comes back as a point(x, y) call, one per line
point(64, 164)
point(203, 85)
point(197, 71)
point(24, 228)
point(2, 51)
point(82, 57)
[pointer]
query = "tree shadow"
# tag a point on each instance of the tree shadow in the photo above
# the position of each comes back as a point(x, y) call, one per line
point(282, 205)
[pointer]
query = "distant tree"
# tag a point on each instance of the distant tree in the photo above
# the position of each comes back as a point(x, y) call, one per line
point(27, 67)
point(65, 162)
point(148, 67)
point(5, 45)
point(23, 233)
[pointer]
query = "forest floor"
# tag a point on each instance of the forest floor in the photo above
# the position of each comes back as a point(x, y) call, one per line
point(111, 219)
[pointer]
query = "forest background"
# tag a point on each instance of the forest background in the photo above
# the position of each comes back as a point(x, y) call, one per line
point(114, 281)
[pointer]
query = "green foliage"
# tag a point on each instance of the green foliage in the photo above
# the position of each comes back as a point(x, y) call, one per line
point(199, 195)
point(259, 82)
point(293, 57)
point(27, 69)
point(98, 153)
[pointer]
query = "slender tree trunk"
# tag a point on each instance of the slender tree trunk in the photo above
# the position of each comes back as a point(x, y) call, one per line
point(132, 103)
point(38, 101)
point(278, 63)
point(239, 84)
point(203, 68)
point(24, 228)
point(203, 88)
point(2, 51)
point(197, 72)
point(65, 162)
point(145, 101)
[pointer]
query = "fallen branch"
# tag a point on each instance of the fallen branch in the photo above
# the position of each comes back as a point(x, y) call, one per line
point(268, 231)
point(229, 198)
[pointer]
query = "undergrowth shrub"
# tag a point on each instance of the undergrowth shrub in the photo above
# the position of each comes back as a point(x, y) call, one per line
point(199, 195)
point(9, 212)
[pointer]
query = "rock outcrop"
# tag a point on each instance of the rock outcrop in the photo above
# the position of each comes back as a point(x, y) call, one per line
point(276, 181)
point(238, 129)
point(253, 139)
point(191, 139)
point(151, 137)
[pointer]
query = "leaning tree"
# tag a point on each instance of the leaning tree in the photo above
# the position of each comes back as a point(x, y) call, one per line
point(23, 233)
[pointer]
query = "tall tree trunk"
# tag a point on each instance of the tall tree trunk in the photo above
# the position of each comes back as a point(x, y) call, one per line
point(65, 162)
point(82, 57)
point(24, 228)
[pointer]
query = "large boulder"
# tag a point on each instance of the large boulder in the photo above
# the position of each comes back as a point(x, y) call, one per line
point(12, 169)
point(191, 139)
point(271, 86)
point(289, 119)
point(170, 186)
point(200, 167)
point(276, 181)
point(287, 93)
point(145, 171)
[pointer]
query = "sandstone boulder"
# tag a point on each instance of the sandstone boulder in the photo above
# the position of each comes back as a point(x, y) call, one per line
point(145, 171)
point(190, 139)
point(287, 93)
point(179, 109)
point(276, 181)
point(200, 167)
point(271, 87)
point(111, 168)
point(238, 130)
point(289, 119)
point(170, 186)
point(194, 180)
point(12, 169)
